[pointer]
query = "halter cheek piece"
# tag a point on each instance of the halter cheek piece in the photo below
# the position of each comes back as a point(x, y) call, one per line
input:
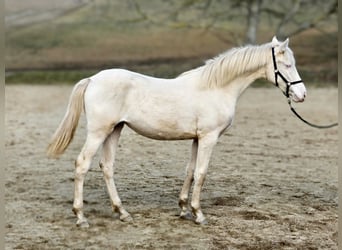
point(278, 73)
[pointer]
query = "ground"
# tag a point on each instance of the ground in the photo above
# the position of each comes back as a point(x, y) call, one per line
point(271, 184)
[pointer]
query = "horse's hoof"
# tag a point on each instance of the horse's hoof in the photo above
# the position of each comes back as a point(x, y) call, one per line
point(186, 216)
point(82, 224)
point(126, 218)
point(202, 221)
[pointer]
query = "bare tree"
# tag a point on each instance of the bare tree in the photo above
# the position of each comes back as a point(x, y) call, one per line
point(288, 18)
point(301, 15)
point(253, 17)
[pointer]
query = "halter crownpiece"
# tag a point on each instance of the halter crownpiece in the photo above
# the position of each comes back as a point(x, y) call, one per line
point(278, 73)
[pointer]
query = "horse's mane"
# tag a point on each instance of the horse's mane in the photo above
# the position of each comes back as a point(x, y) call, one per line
point(220, 70)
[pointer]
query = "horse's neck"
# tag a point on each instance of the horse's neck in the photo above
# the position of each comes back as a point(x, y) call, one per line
point(237, 86)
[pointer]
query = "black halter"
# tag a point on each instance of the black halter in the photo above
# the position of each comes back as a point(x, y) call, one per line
point(287, 94)
point(278, 73)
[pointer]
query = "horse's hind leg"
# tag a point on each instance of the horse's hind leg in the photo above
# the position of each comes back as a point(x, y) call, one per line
point(106, 164)
point(82, 164)
point(184, 194)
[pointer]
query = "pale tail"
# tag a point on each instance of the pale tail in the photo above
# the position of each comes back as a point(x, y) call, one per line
point(66, 129)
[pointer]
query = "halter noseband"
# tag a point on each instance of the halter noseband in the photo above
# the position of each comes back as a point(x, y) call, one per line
point(278, 73)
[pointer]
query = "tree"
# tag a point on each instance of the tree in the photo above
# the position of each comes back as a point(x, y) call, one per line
point(286, 18)
point(253, 16)
point(302, 15)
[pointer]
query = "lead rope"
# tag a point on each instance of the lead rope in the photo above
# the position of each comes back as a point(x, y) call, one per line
point(309, 123)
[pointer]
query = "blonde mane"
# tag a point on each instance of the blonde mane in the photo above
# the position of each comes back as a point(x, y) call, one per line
point(222, 69)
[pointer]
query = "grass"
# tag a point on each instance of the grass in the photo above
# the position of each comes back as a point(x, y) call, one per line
point(48, 76)
point(163, 70)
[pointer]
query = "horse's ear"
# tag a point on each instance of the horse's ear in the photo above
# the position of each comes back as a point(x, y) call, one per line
point(275, 40)
point(284, 45)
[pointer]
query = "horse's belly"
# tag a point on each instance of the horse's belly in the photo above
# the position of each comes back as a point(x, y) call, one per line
point(161, 130)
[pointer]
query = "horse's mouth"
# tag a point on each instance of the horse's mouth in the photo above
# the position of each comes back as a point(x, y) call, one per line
point(295, 98)
point(298, 99)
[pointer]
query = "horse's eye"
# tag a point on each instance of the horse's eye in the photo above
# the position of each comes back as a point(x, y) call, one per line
point(288, 65)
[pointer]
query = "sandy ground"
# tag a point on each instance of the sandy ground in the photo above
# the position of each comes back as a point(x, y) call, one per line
point(271, 184)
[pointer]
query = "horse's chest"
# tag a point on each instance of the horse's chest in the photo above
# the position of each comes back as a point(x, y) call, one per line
point(216, 118)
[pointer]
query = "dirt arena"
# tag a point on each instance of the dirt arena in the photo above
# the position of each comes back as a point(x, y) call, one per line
point(271, 184)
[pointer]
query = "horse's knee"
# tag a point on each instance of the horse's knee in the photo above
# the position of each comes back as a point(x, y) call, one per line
point(200, 176)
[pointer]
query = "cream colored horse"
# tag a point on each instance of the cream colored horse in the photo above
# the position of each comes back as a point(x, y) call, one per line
point(197, 105)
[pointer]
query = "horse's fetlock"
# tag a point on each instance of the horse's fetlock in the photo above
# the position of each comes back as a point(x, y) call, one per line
point(195, 207)
point(76, 210)
point(183, 201)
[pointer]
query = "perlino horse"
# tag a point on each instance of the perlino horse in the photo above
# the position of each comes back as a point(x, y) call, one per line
point(198, 105)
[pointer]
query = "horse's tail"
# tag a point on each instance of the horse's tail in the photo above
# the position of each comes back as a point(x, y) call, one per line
point(66, 129)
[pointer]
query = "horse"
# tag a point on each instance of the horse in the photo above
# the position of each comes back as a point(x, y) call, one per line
point(197, 105)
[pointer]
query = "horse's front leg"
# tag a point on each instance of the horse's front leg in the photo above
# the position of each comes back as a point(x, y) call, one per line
point(184, 194)
point(205, 148)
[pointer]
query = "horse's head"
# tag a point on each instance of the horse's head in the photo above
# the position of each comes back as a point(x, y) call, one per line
point(283, 73)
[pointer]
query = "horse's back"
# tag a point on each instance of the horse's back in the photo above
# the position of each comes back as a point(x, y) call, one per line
point(120, 76)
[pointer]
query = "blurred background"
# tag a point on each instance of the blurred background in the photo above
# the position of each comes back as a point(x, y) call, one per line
point(62, 41)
